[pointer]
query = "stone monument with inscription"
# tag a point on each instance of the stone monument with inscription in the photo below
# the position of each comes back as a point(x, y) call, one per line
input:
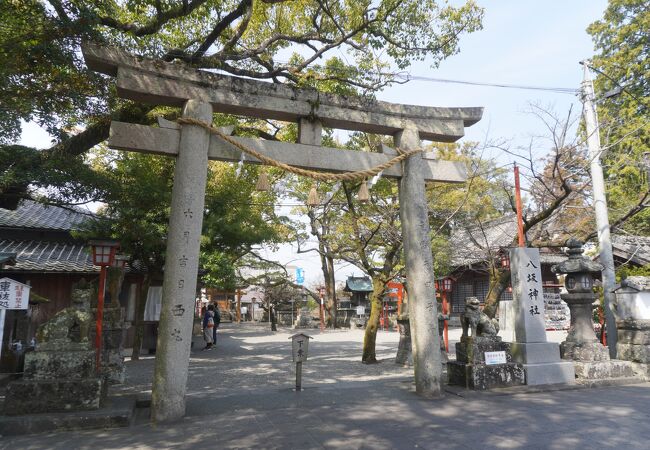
point(483, 360)
point(540, 358)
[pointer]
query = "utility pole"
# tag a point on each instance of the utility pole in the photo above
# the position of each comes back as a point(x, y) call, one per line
point(600, 206)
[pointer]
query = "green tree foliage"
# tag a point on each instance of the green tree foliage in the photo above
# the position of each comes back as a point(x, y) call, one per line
point(622, 41)
point(465, 205)
point(44, 78)
point(138, 204)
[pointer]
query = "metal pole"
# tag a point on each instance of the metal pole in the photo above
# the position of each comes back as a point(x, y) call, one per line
point(2, 329)
point(100, 318)
point(520, 222)
point(600, 206)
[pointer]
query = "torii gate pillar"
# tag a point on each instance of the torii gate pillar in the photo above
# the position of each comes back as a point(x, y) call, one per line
point(181, 266)
point(422, 305)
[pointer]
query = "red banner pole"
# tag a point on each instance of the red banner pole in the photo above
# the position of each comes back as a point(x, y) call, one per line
point(445, 311)
point(520, 222)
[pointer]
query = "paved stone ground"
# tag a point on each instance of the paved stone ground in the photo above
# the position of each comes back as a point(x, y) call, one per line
point(239, 396)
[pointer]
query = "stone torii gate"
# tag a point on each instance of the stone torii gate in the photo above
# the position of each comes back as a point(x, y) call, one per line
point(200, 94)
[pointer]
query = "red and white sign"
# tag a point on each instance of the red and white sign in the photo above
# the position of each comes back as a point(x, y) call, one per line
point(13, 295)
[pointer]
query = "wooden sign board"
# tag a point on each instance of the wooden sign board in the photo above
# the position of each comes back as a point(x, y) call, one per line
point(300, 347)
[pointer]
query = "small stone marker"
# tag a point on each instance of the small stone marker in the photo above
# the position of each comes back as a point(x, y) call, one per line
point(541, 359)
point(300, 350)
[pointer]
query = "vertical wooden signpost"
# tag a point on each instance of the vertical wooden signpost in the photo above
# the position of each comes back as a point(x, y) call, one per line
point(300, 351)
point(200, 94)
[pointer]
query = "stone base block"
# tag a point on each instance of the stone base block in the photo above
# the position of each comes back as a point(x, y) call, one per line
point(471, 350)
point(587, 351)
point(550, 373)
point(29, 397)
point(598, 370)
point(482, 377)
point(535, 353)
point(633, 352)
point(64, 365)
point(113, 367)
point(642, 371)
point(117, 412)
point(638, 337)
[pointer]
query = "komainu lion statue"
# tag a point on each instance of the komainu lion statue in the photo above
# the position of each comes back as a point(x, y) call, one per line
point(476, 320)
point(57, 330)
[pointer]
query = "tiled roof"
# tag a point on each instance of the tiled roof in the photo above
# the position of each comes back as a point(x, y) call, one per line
point(471, 246)
point(42, 256)
point(636, 249)
point(30, 214)
point(7, 258)
point(358, 284)
point(474, 245)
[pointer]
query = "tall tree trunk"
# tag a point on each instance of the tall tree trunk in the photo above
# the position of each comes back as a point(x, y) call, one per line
point(138, 323)
point(499, 280)
point(274, 324)
point(370, 338)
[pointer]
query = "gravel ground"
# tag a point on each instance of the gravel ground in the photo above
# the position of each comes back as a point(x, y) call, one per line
point(250, 357)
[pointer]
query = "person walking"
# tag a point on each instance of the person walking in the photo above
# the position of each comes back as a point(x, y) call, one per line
point(208, 327)
point(217, 321)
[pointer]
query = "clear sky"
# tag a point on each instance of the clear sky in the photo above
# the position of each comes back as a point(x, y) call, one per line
point(522, 42)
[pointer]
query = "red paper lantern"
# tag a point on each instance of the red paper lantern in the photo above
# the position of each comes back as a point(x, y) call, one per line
point(103, 252)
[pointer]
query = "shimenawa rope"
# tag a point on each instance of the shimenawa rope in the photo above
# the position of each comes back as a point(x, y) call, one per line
point(319, 176)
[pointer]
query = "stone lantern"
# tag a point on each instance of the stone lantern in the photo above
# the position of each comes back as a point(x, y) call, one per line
point(581, 343)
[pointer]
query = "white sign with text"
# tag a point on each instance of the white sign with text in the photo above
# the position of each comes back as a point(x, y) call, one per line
point(492, 358)
point(13, 295)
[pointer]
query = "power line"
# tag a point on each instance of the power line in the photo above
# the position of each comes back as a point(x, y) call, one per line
point(559, 90)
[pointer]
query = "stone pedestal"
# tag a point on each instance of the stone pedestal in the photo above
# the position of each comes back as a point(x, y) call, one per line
point(542, 363)
point(60, 374)
point(56, 380)
point(632, 311)
point(469, 369)
point(404, 355)
point(114, 333)
point(404, 350)
point(633, 340)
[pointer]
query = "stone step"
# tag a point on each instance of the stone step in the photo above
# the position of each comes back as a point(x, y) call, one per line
point(600, 370)
point(117, 412)
point(603, 382)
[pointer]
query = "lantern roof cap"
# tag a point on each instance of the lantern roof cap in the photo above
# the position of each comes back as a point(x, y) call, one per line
point(297, 335)
point(577, 262)
point(104, 242)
